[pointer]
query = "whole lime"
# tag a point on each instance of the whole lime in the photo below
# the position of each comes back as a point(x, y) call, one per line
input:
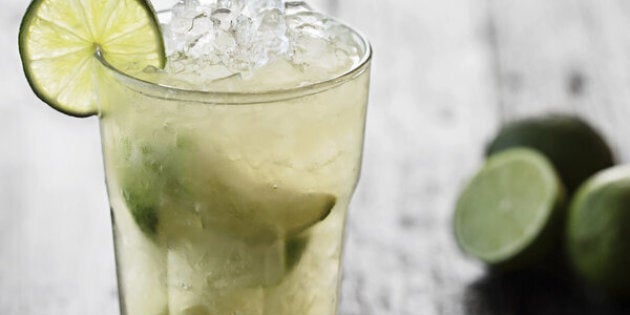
point(598, 231)
point(574, 147)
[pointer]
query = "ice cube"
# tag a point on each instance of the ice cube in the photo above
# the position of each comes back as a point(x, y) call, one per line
point(294, 7)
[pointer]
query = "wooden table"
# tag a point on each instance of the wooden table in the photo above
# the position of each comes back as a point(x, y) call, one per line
point(445, 75)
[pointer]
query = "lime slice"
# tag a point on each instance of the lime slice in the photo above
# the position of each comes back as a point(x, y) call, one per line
point(598, 238)
point(507, 216)
point(59, 39)
point(575, 148)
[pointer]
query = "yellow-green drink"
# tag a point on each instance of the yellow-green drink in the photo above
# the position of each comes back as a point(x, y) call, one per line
point(229, 195)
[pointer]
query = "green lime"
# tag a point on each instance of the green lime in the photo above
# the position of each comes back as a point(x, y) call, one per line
point(575, 148)
point(598, 237)
point(508, 214)
point(59, 40)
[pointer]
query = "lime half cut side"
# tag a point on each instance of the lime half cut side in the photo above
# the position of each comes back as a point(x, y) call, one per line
point(598, 238)
point(59, 39)
point(507, 215)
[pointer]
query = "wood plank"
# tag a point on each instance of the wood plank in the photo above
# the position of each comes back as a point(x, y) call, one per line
point(432, 106)
point(566, 55)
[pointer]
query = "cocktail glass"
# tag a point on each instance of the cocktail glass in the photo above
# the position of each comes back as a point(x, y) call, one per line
point(231, 202)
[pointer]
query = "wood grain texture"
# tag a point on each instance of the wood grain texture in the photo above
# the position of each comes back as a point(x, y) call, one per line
point(445, 74)
point(568, 56)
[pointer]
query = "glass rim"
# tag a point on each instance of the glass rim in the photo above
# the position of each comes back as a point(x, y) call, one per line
point(169, 92)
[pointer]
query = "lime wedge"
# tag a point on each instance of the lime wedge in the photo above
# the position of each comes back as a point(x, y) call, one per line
point(59, 38)
point(167, 186)
point(507, 216)
point(150, 177)
point(294, 249)
point(598, 238)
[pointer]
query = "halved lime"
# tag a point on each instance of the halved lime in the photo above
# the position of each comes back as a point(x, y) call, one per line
point(507, 215)
point(59, 38)
point(598, 237)
point(574, 147)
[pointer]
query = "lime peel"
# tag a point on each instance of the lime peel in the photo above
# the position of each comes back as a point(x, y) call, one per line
point(575, 148)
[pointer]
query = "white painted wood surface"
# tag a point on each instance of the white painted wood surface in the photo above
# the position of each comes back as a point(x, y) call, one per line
point(445, 74)
point(565, 55)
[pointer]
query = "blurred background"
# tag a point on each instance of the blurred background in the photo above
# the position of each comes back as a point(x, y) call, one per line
point(445, 75)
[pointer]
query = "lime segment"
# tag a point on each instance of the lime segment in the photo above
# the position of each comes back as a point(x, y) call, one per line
point(503, 214)
point(58, 40)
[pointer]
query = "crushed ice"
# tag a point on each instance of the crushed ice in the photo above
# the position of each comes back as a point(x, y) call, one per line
point(227, 37)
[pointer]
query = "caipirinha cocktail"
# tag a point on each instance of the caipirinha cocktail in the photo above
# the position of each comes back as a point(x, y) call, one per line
point(229, 171)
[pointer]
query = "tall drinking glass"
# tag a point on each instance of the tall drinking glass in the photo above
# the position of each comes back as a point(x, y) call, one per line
point(233, 202)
